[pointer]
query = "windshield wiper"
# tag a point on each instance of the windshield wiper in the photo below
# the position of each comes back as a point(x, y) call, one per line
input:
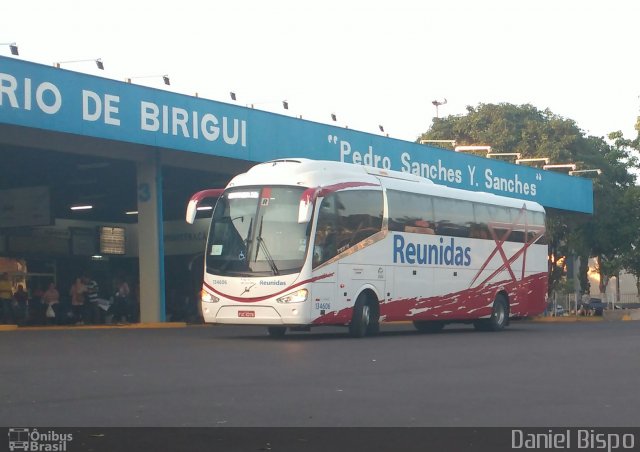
point(265, 251)
point(248, 239)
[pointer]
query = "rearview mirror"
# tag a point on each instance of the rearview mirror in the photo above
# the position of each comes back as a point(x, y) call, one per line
point(192, 207)
point(306, 204)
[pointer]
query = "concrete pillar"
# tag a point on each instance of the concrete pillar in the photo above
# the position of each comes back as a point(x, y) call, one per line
point(150, 240)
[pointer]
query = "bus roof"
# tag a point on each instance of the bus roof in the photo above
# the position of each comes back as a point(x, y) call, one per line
point(318, 173)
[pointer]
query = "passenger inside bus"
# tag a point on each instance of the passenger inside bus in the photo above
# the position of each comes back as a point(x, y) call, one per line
point(325, 244)
point(419, 227)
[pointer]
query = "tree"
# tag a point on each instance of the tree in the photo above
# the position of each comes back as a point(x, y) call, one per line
point(632, 257)
point(613, 232)
point(512, 128)
point(535, 133)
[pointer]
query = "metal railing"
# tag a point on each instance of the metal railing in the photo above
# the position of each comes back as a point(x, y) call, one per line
point(628, 298)
point(563, 304)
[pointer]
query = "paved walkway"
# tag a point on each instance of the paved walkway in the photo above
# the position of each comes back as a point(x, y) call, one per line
point(95, 327)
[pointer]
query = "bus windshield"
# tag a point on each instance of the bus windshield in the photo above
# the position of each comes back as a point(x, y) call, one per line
point(255, 232)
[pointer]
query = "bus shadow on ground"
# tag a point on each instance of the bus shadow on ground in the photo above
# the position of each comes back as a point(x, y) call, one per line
point(336, 333)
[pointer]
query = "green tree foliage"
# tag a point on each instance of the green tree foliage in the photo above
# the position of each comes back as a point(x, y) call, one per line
point(631, 256)
point(534, 133)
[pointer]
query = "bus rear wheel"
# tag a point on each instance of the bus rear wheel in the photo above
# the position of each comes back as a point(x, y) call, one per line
point(426, 326)
point(277, 331)
point(365, 318)
point(499, 316)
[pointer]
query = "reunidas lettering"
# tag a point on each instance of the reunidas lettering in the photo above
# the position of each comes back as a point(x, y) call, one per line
point(430, 254)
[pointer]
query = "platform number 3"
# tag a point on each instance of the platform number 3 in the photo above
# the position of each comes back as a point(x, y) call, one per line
point(144, 192)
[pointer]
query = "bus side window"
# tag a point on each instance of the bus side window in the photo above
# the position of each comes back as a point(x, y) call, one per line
point(480, 229)
point(410, 212)
point(453, 216)
point(538, 219)
point(345, 219)
point(359, 216)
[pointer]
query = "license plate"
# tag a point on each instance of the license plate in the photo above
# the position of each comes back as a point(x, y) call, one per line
point(246, 313)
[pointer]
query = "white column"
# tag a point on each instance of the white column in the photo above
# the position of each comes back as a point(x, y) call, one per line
point(150, 240)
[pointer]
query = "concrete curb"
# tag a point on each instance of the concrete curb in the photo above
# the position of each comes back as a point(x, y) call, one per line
point(567, 319)
point(623, 314)
point(8, 327)
point(608, 316)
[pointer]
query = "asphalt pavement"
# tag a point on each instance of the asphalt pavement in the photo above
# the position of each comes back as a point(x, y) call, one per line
point(533, 374)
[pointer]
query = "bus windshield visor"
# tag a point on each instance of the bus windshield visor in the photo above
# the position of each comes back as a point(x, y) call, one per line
point(255, 232)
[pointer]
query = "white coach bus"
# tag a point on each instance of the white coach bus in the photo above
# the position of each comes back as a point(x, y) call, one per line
point(297, 243)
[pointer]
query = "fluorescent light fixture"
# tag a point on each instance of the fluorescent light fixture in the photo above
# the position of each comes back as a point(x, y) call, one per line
point(517, 155)
point(472, 148)
point(131, 212)
point(204, 208)
point(569, 166)
point(546, 160)
point(451, 142)
point(82, 207)
point(586, 171)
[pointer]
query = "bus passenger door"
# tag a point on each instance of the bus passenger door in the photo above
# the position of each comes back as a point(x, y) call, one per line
point(323, 298)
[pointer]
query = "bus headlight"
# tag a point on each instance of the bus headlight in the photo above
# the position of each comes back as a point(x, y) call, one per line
point(294, 297)
point(206, 297)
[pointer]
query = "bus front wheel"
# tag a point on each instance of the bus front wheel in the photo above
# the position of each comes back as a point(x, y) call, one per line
point(499, 316)
point(365, 318)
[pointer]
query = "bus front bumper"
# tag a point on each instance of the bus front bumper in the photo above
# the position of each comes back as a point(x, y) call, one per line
point(253, 315)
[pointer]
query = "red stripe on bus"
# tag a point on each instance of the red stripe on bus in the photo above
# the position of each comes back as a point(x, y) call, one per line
point(265, 297)
point(526, 298)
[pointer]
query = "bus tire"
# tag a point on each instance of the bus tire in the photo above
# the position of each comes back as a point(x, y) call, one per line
point(364, 320)
point(277, 331)
point(426, 326)
point(499, 316)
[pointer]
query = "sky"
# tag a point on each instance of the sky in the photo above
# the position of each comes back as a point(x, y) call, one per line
point(369, 62)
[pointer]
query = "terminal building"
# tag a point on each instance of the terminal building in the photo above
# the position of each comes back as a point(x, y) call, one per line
point(96, 176)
